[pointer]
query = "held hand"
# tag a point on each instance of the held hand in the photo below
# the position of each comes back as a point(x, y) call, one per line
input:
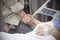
point(28, 19)
point(25, 17)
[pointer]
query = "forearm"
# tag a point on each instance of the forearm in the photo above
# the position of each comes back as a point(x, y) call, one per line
point(55, 33)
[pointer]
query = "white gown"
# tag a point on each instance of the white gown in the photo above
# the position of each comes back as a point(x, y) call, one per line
point(28, 36)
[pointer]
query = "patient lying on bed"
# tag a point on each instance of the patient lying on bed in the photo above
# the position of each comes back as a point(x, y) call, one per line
point(43, 31)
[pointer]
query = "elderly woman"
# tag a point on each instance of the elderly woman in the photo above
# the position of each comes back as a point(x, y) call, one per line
point(43, 31)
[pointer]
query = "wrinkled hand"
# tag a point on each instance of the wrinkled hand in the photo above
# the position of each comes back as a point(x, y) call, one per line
point(26, 18)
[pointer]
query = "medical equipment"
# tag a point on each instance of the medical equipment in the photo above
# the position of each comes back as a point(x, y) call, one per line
point(46, 11)
point(50, 12)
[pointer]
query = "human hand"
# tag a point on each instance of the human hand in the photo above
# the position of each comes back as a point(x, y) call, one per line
point(26, 18)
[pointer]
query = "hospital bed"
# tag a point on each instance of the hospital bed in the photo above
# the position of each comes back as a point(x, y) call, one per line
point(44, 10)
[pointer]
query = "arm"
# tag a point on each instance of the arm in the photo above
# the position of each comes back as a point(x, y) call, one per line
point(28, 19)
point(24, 17)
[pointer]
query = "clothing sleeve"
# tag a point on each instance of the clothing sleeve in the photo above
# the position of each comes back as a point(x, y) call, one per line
point(16, 7)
